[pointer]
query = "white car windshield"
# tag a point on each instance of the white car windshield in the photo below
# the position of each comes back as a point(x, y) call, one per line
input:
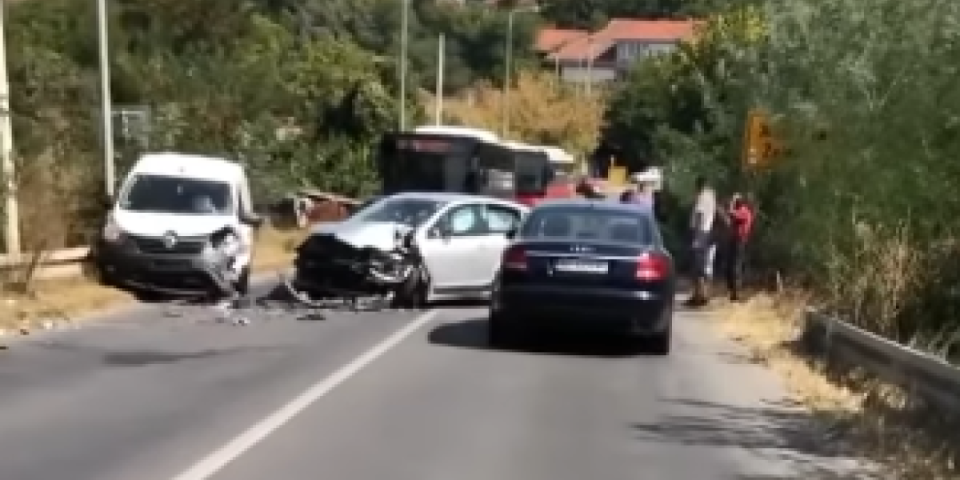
point(180, 195)
point(408, 211)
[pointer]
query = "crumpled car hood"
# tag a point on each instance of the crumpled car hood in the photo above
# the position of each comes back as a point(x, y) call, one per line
point(379, 235)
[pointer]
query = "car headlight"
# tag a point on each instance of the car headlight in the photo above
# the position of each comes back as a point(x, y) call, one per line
point(111, 231)
point(230, 245)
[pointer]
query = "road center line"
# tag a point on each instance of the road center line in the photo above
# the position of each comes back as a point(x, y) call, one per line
point(209, 465)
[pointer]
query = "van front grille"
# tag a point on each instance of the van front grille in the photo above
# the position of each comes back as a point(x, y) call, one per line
point(183, 246)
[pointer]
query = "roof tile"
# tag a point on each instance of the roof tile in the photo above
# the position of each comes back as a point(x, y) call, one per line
point(591, 46)
point(551, 39)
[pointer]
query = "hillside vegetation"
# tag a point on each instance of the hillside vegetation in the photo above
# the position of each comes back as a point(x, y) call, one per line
point(224, 77)
point(862, 207)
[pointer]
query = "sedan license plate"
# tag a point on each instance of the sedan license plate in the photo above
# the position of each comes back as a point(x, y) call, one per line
point(581, 266)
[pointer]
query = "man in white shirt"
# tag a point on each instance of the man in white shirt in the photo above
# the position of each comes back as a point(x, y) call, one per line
point(703, 246)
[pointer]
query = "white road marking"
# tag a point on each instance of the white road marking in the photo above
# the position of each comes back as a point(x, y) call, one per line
point(216, 461)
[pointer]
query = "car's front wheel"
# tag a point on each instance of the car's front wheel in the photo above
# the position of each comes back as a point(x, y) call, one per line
point(242, 285)
point(414, 292)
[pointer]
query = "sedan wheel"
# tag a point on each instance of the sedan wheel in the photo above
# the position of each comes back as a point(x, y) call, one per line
point(500, 332)
point(660, 343)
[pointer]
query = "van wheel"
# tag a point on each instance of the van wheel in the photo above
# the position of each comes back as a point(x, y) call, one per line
point(243, 283)
point(105, 278)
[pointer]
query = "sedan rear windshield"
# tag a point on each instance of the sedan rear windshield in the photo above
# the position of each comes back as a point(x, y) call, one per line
point(591, 224)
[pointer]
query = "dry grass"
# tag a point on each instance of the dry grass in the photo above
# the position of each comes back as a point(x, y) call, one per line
point(873, 417)
point(54, 303)
point(275, 248)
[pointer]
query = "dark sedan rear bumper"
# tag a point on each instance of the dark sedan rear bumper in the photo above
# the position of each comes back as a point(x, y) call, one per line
point(589, 309)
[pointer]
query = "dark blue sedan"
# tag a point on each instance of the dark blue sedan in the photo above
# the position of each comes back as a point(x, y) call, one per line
point(589, 265)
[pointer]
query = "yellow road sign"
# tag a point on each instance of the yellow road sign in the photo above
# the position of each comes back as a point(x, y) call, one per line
point(617, 176)
point(759, 146)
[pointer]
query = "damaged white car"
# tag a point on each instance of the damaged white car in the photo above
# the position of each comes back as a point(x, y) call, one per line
point(412, 248)
point(182, 224)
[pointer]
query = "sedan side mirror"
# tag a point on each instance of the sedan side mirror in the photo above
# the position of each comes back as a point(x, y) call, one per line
point(510, 234)
point(441, 230)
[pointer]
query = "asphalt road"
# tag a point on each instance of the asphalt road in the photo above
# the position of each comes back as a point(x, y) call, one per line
point(174, 394)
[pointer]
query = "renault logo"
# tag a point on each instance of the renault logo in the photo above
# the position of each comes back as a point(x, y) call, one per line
point(169, 240)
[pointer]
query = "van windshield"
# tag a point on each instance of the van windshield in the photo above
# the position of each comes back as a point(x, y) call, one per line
point(181, 195)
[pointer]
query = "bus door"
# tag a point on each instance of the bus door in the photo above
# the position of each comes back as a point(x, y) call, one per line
point(533, 174)
point(495, 167)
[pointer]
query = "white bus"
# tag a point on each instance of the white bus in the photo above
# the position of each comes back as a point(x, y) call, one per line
point(461, 159)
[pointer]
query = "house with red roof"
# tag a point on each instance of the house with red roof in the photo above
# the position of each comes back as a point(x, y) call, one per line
point(607, 55)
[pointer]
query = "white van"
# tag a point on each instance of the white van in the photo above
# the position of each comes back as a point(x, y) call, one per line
point(181, 224)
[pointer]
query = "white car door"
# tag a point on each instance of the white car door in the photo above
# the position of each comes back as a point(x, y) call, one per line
point(453, 248)
point(499, 219)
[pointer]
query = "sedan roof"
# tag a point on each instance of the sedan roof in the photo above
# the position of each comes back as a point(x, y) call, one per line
point(602, 204)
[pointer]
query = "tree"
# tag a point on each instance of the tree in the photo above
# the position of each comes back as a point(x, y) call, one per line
point(592, 14)
point(542, 111)
point(222, 77)
point(861, 208)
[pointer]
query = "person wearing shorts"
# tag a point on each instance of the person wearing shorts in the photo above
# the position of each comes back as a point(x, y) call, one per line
point(703, 244)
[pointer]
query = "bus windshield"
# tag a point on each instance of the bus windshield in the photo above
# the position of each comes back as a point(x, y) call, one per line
point(424, 162)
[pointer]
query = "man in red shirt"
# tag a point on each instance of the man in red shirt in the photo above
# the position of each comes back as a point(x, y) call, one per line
point(741, 224)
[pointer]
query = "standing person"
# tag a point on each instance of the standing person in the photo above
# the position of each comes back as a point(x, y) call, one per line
point(741, 224)
point(703, 245)
point(644, 186)
point(646, 182)
point(586, 190)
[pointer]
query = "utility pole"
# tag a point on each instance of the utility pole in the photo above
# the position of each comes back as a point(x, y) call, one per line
point(438, 102)
point(106, 108)
point(505, 97)
point(11, 229)
point(589, 67)
point(404, 40)
point(508, 68)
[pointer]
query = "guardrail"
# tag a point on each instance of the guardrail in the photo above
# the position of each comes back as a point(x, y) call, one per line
point(922, 375)
point(55, 264)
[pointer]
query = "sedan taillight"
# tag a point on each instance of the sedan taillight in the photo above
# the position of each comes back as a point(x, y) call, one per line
point(515, 258)
point(651, 267)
